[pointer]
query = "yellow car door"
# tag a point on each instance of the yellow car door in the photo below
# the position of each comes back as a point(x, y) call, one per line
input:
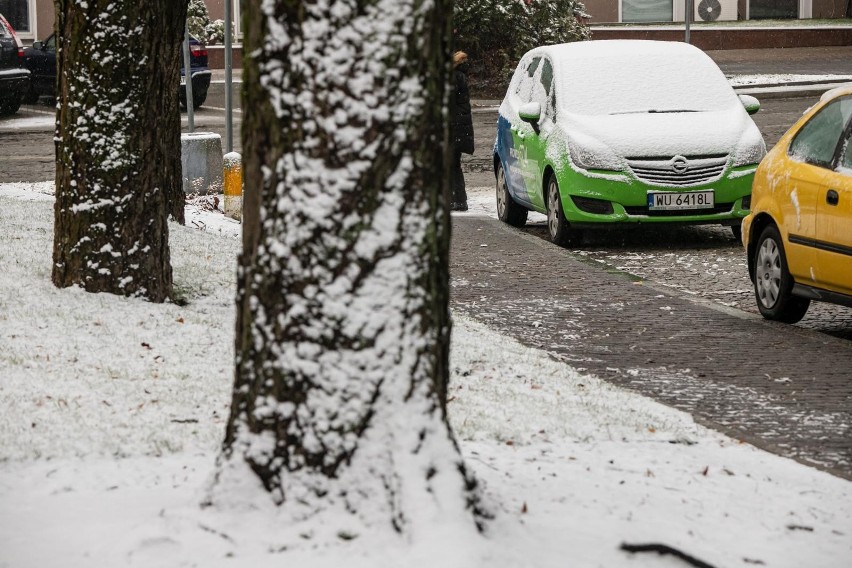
point(798, 214)
point(816, 227)
point(834, 226)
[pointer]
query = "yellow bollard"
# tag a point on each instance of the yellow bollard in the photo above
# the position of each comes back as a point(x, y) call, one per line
point(233, 186)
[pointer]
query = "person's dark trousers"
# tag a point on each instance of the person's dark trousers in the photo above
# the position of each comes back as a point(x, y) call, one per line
point(459, 193)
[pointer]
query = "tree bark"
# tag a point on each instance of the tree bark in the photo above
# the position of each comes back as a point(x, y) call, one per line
point(343, 323)
point(118, 167)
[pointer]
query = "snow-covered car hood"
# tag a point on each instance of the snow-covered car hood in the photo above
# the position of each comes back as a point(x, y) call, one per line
point(659, 134)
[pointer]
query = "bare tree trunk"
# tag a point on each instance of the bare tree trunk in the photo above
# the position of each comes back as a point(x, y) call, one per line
point(118, 169)
point(343, 323)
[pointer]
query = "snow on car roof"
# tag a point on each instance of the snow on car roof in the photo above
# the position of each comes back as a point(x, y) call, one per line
point(631, 76)
point(836, 92)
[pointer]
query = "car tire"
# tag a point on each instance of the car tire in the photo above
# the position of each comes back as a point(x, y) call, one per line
point(10, 106)
point(773, 284)
point(198, 99)
point(508, 210)
point(737, 231)
point(560, 231)
point(31, 97)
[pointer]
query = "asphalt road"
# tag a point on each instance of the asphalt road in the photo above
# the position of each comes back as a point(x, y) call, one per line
point(26, 139)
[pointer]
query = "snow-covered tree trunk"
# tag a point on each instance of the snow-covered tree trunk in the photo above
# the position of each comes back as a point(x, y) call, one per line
point(343, 325)
point(118, 167)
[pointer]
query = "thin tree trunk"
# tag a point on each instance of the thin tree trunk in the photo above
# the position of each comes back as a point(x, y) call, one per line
point(118, 168)
point(343, 323)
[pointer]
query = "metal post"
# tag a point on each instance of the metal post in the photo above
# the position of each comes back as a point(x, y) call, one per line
point(229, 105)
point(187, 73)
point(687, 18)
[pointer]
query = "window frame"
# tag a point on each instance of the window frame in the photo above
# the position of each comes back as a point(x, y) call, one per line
point(676, 4)
point(238, 22)
point(33, 22)
point(845, 148)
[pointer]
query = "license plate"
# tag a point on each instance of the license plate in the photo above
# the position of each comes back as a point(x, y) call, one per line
point(667, 201)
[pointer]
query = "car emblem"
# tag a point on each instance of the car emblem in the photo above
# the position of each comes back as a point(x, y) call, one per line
point(679, 164)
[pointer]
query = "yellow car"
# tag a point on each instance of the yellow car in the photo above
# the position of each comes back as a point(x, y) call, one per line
point(799, 233)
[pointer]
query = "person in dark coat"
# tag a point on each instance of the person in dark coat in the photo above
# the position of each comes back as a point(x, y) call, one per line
point(461, 129)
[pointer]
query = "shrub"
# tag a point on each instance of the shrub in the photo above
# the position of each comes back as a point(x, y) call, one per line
point(496, 33)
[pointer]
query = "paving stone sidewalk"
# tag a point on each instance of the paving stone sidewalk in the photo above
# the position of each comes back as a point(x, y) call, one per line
point(781, 388)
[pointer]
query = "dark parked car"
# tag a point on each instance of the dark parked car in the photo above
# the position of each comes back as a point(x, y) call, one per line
point(14, 79)
point(200, 74)
point(40, 59)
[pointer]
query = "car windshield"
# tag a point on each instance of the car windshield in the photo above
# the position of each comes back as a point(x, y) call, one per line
point(631, 81)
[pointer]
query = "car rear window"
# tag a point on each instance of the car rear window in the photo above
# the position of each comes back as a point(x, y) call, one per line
point(619, 80)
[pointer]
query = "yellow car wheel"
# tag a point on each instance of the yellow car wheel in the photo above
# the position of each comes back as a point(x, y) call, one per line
point(773, 284)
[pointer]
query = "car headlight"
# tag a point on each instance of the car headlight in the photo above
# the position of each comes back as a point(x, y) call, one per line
point(592, 155)
point(750, 150)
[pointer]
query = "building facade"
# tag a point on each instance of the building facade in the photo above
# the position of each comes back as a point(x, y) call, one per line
point(33, 19)
point(654, 11)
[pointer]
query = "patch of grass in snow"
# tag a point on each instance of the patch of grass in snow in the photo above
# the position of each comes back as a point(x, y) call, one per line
point(100, 374)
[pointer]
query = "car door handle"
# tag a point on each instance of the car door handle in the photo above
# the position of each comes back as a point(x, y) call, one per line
point(832, 198)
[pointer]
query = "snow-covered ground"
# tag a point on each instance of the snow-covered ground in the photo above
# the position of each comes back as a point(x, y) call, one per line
point(112, 411)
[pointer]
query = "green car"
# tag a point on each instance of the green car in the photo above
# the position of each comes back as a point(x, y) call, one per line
point(599, 133)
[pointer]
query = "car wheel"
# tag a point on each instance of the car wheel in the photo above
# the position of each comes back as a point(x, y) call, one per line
point(737, 230)
point(773, 284)
point(560, 230)
point(507, 210)
point(10, 106)
point(198, 99)
point(31, 97)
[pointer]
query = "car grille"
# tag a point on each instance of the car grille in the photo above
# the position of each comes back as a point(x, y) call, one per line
point(678, 171)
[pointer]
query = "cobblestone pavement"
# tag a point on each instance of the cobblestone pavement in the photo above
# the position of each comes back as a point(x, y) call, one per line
point(704, 263)
point(782, 388)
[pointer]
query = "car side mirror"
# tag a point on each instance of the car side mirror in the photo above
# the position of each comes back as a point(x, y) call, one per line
point(530, 112)
point(38, 45)
point(751, 104)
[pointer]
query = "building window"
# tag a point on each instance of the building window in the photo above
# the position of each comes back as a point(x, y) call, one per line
point(646, 10)
point(773, 9)
point(20, 14)
point(238, 21)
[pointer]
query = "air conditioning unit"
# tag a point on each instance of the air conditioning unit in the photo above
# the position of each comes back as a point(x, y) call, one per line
point(715, 10)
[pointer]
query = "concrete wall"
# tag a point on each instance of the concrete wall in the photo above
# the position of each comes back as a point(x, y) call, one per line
point(45, 18)
point(602, 11)
point(829, 8)
point(216, 9)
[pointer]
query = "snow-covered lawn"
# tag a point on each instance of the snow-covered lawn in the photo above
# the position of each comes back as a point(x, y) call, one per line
point(112, 411)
